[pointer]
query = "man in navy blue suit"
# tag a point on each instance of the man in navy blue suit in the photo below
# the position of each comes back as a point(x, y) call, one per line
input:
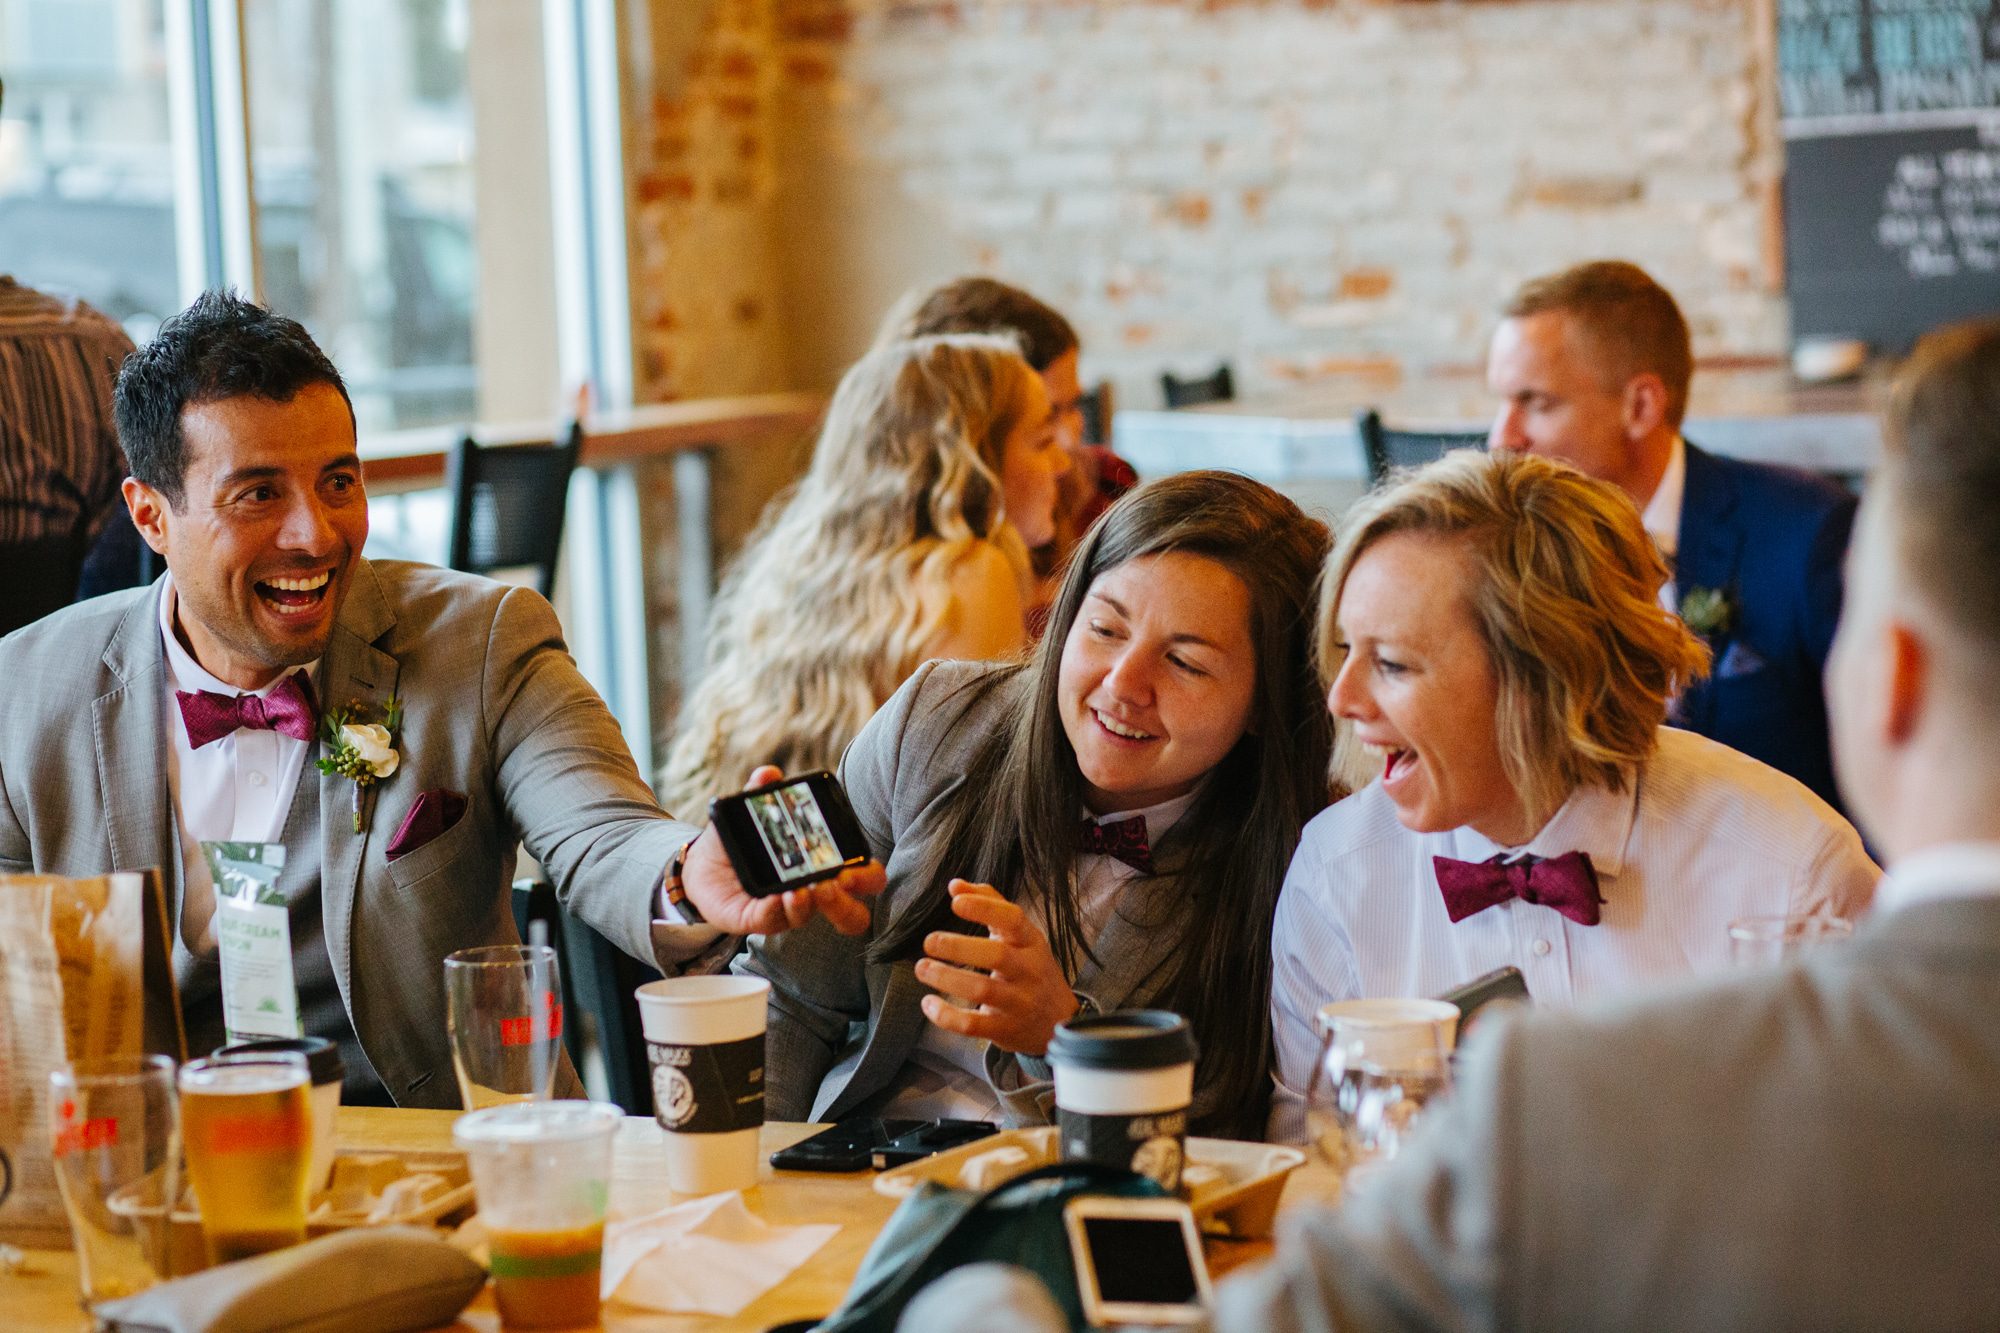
point(1592, 367)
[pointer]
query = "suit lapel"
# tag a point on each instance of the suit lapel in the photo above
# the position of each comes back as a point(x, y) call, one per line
point(355, 672)
point(1711, 556)
point(129, 726)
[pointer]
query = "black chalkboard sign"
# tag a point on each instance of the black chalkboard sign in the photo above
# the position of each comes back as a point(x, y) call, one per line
point(1891, 117)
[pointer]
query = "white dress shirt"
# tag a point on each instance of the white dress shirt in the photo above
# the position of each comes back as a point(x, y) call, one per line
point(1702, 836)
point(1948, 870)
point(1662, 517)
point(946, 1073)
point(237, 789)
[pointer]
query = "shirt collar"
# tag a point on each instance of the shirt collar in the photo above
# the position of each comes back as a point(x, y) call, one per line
point(1948, 870)
point(1159, 818)
point(1662, 515)
point(188, 675)
point(1594, 820)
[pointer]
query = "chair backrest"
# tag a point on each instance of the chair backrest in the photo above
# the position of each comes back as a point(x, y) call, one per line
point(1219, 387)
point(507, 505)
point(1096, 408)
point(1388, 449)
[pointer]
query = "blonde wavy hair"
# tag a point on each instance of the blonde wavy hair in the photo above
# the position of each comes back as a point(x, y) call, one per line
point(1567, 600)
point(824, 614)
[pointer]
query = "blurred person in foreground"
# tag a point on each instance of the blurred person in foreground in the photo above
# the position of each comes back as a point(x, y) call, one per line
point(140, 724)
point(1498, 670)
point(1103, 825)
point(907, 539)
point(1097, 477)
point(1592, 366)
point(59, 459)
point(1802, 1148)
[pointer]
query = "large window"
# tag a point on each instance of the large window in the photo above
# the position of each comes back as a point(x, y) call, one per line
point(379, 169)
point(86, 161)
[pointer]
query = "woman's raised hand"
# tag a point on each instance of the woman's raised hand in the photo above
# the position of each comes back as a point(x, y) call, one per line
point(711, 881)
point(1011, 976)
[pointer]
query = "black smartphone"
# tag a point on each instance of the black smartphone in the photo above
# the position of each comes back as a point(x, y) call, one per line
point(1505, 983)
point(788, 833)
point(929, 1139)
point(845, 1146)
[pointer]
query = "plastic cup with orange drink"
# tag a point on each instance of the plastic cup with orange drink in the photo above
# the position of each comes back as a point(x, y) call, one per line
point(542, 1171)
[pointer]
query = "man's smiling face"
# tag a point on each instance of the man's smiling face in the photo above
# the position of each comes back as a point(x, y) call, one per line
point(264, 542)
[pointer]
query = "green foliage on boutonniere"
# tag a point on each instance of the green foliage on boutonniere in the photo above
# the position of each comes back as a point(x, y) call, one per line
point(360, 750)
point(1709, 612)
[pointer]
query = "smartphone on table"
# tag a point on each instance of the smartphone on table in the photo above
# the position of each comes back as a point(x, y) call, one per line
point(1138, 1261)
point(789, 833)
point(861, 1143)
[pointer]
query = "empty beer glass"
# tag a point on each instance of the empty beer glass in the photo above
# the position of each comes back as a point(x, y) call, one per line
point(114, 1131)
point(248, 1125)
point(503, 1005)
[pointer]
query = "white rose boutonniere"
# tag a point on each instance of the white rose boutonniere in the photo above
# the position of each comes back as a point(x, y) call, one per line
point(360, 750)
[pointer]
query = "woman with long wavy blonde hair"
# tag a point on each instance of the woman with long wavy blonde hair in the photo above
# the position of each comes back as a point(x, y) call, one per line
point(906, 539)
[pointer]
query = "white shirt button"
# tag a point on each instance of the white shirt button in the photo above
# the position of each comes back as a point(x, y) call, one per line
point(1542, 948)
point(257, 779)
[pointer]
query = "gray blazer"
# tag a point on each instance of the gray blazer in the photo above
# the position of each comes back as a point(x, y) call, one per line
point(493, 708)
point(842, 1028)
point(1816, 1148)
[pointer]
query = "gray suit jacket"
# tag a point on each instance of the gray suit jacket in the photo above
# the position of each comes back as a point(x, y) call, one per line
point(842, 1028)
point(1814, 1148)
point(493, 708)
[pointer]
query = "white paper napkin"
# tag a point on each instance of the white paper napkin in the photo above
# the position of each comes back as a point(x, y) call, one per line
point(711, 1255)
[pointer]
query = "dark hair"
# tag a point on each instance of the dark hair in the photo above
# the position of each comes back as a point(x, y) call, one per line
point(220, 347)
point(1941, 470)
point(1246, 821)
point(1629, 323)
point(982, 305)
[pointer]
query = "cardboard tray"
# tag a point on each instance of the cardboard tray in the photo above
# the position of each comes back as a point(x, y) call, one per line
point(1244, 1205)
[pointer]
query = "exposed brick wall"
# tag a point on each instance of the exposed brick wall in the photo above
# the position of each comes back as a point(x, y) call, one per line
point(1305, 188)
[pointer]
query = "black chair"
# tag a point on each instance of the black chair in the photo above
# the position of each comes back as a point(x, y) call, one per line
point(119, 558)
point(1095, 405)
point(601, 1013)
point(1388, 449)
point(1219, 387)
point(507, 505)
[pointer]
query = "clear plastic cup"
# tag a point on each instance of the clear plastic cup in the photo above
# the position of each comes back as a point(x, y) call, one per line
point(542, 1171)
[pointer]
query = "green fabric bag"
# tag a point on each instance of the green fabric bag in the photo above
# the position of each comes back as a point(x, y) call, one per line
point(937, 1229)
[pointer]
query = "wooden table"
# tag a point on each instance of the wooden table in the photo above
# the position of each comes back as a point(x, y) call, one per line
point(43, 1295)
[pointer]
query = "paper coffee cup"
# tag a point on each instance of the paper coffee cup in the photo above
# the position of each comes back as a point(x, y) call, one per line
point(705, 1043)
point(1123, 1084)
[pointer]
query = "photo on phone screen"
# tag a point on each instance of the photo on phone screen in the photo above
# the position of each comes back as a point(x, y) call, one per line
point(788, 833)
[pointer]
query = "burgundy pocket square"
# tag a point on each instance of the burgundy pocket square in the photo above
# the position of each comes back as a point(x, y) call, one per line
point(434, 812)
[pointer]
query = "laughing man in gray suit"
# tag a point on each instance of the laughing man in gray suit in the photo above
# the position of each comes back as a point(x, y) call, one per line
point(1809, 1148)
point(137, 725)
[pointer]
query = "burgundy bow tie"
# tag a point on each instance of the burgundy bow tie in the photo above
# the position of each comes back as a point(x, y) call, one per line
point(1123, 838)
point(1568, 883)
point(288, 710)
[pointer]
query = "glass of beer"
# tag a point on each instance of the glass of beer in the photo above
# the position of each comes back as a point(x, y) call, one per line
point(115, 1136)
point(503, 1005)
point(542, 1171)
point(248, 1126)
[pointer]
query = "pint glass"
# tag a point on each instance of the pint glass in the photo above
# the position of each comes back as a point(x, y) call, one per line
point(247, 1124)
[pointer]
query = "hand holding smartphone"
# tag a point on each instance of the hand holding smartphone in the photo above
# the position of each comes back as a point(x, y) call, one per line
point(788, 833)
point(732, 883)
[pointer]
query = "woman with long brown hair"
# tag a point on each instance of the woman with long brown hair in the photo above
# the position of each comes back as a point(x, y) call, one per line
point(1116, 813)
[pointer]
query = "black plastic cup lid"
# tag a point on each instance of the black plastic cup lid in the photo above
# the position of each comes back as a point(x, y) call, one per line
point(323, 1060)
point(1125, 1039)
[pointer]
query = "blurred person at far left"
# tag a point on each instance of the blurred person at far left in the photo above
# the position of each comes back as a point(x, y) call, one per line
point(59, 459)
point(1498, 667)
point(907, 539)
